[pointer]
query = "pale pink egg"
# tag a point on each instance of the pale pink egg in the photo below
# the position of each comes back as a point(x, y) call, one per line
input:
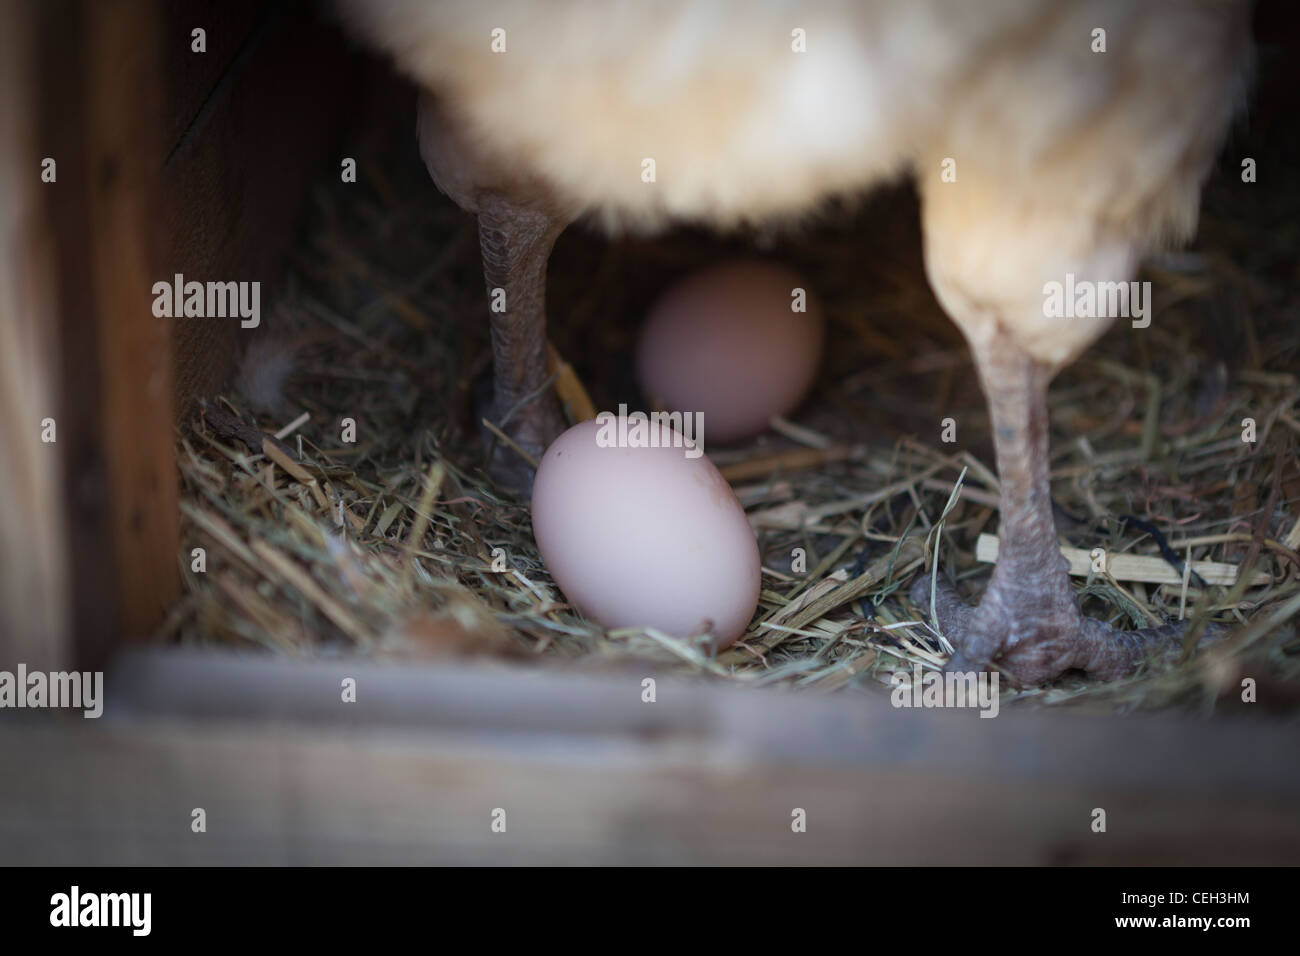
point(728, 342)
point(642, 536)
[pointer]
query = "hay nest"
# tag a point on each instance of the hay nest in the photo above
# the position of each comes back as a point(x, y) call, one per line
point(396, 544)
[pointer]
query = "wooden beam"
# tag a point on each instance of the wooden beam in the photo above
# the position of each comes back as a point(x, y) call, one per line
point(34, 581)
point(235, 177)
point(587, 773)
point(199, 169)
point(230, 28)
point(100, 119)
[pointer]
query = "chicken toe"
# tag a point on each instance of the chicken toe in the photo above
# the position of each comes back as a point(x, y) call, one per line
point(1038, 648)
point(1027, 624)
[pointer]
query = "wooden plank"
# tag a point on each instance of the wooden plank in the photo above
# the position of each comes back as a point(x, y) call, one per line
point(34, 580)
point(99, 120)
point(588, 773)
point(233, 185)
point(134, 345)
point(98, 527)
point(192, 78)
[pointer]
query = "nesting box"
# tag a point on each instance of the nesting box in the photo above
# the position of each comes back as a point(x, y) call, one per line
point(143, 142)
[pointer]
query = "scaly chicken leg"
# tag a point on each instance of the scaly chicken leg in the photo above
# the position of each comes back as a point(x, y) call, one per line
point(1028, 622)
point(515, 239)
point(1106, 166)
point(518, 223)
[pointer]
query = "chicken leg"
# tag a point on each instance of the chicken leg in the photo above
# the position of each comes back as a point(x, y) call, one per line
point(518, 223)
point(515, 239)
point(1028, 622)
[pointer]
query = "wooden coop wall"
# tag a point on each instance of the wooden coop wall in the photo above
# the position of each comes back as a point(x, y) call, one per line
point(33, 557)
point(168, 161)
point(588, 773)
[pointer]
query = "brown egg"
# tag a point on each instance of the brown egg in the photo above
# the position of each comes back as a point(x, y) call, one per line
point(727, 342)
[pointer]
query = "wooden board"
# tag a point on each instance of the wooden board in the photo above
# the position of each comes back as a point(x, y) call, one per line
point(230, 28)
point(168, 161)
point(588, 773)
point(234, 180)
point(97, 82)
point(34, 581)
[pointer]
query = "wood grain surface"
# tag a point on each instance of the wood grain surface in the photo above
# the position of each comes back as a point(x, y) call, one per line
point(588, 773)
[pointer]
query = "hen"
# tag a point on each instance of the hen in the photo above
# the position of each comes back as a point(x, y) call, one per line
point(1049, 140)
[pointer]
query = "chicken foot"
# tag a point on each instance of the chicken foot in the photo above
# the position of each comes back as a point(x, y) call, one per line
point(1028, 624)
